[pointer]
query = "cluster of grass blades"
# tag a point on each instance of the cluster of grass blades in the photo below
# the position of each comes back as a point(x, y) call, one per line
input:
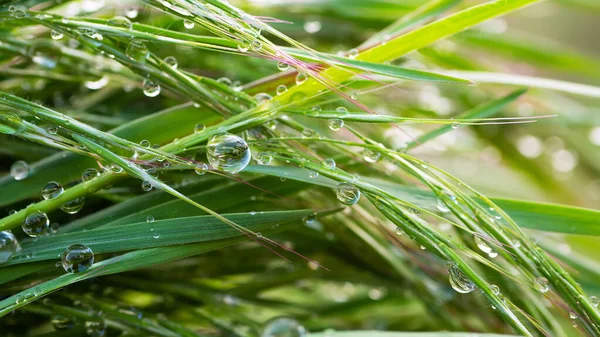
point(312, 168)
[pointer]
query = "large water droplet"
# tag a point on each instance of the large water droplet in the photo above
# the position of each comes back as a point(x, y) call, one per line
point(19, 170)
point(336, 124)
point(283, 66)
point(353, 53)
point(60, 322)
point(56, 35)
point(120, 22)
point(541, 284)
point(228, 153)
point(36, 224)
point(481, 244)
point(77, 258)
point(262, 97)
point(95, 327)
point(137, 51)
point(201, 169)
point(371, 156)
point(301, 78)
point(283, 327)
point(459, 281)
point(131, 12)
point(281, 89)
point(265, 158)
point(188, 24)
point(151, 88)
point(347, 194)
point(10, 123)
point(8, 245)
point(73, 206)
point(329, 163)
point(594, 300)
point(171, 61)
point(52, 190)
point(89, 174)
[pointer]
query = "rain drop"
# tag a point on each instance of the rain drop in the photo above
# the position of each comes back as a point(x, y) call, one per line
point(459, 281)
point(19, 170)
point(265, 158)
point(89, 174)
point(283, 327)
point(281, 89)
point(56, 35)
point(8, 245)
point(228, 153)
point(137, 51)
point(283, 66)
point(188, 24)
point(482, 245)
point(541, 284)
point(495, 289)
point(119, 22)
point(353, 53)
point(149, 219)
point(301, 78)
point(329, 163)
point(341, 110)
point(36, 224)
point(146, 186)
point(399, 231)
point(171, 61)
point(52, 190)
point(262, 97)
point(371, 156)
point(151, 88)
point(199, 128)
point(131, 12)
point(77, 258)
point(73, 206)
point(95, 327)
point(347, 194)
point(308, 133)
point(201, 169)
point(336, 124)
point(313, 174)
point(60, 322)
point(593, 300)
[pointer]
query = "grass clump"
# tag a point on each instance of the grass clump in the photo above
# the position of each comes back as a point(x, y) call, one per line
point(234, 174)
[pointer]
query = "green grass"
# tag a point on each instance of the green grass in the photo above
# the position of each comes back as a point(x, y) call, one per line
point(471, 152)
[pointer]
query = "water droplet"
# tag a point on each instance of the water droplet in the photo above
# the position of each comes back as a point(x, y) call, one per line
point(455, 125)
point(281, 89)
point(572, 315)
point(482, 245)
point(97, 84)
point(77, 258)
point(594, 301)
point(89, 174)
point(201, 169)
point(137, 51)
point(371, 156)
point(228, 153)
point(283, 66)
point(265, 158)
point(149, 219)
point(312, 27)
point(36, 224)
point(541, 284)
point(313, 174)
point(224, 80)
point(458, 280)
point(256, 45)
point(283, 327)
point(493, 254)
point(308, 133)
point(259, 234)
point(60, 322)
point(56, 35)
point(131, 12)
point(495, 289)
point(347, 194)
point(8, 245)
point(151, 88)
point(262, 97)
point(52, 130)
point(341, 110)
point(10, 123)
point(399, 231)
point(171, 61)
point(52, 190)
point(73, 206)
point(329, 163)
point(95, 327)
point(120, 22)
point(243, 47)
point(188, 24)
point(199, 128)
point(441, 206)
point(146, 186)
point(19, 170)
point(353, 53)
point(336, 124)
point(301, 78)
point(310, 218)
